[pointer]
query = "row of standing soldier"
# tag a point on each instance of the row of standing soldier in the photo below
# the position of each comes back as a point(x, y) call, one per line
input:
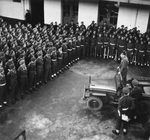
point(32, 56)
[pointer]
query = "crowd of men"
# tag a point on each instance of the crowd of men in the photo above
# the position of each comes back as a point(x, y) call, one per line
point(30, 56)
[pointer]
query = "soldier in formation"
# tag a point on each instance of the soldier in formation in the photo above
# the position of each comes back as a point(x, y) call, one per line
point(31, 56)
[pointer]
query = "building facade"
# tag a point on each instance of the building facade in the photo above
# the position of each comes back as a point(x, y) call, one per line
point(131, 13)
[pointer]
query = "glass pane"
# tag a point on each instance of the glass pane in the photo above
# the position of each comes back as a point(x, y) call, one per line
point(66, 13)
point(75, 7)
point(66, 7)
point(101, 18)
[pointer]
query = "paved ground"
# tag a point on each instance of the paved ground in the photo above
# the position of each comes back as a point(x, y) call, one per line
point(57, 111)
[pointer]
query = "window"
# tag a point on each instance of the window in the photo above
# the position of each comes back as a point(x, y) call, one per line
point(108, 11)
point(70, 10)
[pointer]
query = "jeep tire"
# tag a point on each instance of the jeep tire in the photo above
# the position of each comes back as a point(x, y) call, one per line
point(94, 103)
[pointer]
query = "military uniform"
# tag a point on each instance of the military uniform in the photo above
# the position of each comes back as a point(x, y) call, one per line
point(54, 62)
point(130, 50)
point(141, 54)
point(99, 46)
point(2, 88)
point(23, 78)
point(92, 45)
point(125, 106)
point(121, 47)
point(136, 94)
point(74, 57)
point(60, 60)
point(106, 41)
point(32, 74)
point(124, 69)
point(82, 47)
point(69, 52)
point(12, 83)
point(47, 67)
point(112, 47)
point(136, 51)
point(87, 45)
point(65, 55)
point(39, 68)
point(148, 53)
point(78, 48)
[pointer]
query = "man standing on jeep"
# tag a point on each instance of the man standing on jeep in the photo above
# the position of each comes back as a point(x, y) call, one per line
point(125, 105)
point(123, 67)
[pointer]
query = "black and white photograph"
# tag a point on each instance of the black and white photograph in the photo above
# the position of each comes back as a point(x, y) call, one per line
point(74, 69)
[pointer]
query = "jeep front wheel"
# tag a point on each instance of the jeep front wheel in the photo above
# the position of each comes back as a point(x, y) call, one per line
point(94, 103)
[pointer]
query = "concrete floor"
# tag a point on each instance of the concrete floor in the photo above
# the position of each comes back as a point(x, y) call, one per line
point(57, 111)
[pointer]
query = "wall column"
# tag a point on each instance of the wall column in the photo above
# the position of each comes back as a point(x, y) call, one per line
point(88, 11)
point(133, 15)
point(52, 11)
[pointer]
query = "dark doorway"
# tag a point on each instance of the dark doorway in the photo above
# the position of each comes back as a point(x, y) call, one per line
point(37, 11)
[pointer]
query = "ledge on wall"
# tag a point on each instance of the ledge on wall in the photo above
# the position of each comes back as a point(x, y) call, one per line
point(12, 21)
point(16, 0)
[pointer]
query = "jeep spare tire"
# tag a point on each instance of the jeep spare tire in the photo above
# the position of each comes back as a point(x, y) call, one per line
point(94, 103)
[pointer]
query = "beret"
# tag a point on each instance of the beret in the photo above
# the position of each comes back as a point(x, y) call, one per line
point(135, 82)
point(21, 62)
point(125, 90)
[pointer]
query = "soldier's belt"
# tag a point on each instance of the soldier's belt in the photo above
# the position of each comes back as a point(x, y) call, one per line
point(135, 49)
point(40, 66)
point(129, 49)
point(60, 58)
point(69, 50)
point(141, 51)
point(65, 52)
point(112, 44)
point(53, 60)
point(124, 109)
point(121, 46)
point(78, 46)
point(99, 43)
point(82, 45)
point(105, 43)
point(148, 51)
point(74, 48)
point(2, 84)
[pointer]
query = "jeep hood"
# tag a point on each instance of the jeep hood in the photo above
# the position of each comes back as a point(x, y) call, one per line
point(106, 85)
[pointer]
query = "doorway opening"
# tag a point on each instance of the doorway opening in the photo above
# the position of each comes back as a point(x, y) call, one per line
point(37, 11)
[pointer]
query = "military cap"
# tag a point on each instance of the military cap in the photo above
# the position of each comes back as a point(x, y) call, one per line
point(31, 50)
point(33, 58)
point(3, 39)
point(12, 66)
point(135, 82)
point(125, 90)
point(23, 52)
point(1, 69)
point(10, 62)
point(12, 53)
point(39, 53)
point(21, 61)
